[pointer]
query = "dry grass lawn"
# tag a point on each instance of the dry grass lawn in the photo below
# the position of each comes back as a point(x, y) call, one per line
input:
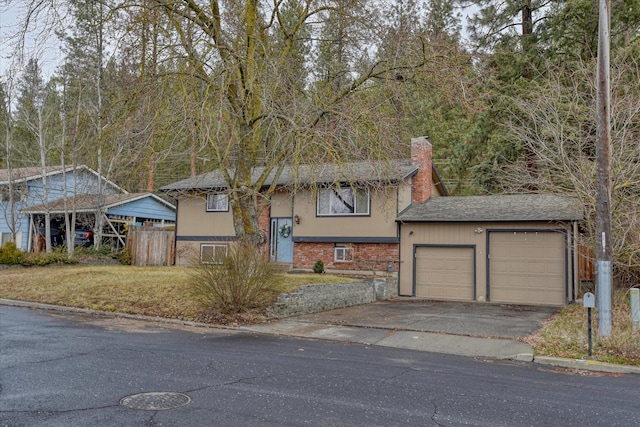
point(565, 335)
point(150, 291)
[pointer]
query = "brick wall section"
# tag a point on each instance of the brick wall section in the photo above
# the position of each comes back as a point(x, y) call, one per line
point(366, 256)
point(422, 154)
point(306, 254)
point(315, 298)
point(264, 223)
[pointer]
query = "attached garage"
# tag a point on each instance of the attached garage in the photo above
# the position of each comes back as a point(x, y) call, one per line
point(526, 266)
point(511, 249)
point(445, 272)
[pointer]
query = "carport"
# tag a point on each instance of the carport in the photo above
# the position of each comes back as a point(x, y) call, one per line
point(113, 212)
point(513, 249)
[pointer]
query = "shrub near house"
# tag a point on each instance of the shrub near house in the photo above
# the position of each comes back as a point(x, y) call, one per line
point(10, 254)
point(235, 282)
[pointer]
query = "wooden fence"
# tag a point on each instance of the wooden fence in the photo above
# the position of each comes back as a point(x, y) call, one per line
point(151, 246)
point(586, 266)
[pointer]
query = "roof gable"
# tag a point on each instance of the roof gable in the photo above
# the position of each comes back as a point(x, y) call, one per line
point(27, 174)
point(31, 173)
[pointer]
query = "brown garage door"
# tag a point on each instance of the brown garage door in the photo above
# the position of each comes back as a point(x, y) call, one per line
point(445, 272)
point(527, 267)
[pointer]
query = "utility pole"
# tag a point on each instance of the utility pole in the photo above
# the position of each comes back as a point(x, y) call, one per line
point(603, 172)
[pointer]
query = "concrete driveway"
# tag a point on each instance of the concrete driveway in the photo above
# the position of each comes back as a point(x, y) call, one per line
point(467, 329)
point(468, 319)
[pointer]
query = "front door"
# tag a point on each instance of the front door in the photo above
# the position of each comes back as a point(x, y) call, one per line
point(282, 240)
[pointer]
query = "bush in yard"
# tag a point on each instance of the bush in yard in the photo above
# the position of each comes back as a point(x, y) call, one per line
point(237, 282)
point(124, 256)
point(57, 256)
point(318, 267)
point(10, 254)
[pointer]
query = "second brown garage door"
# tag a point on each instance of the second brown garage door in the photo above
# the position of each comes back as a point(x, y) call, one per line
point(527, 267)
point(445, 272)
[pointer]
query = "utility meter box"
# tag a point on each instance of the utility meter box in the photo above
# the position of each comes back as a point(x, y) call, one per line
point(589, 300)
point(635, 308)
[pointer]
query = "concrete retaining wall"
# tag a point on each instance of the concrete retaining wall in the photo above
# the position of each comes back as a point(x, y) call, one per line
point(314, 298)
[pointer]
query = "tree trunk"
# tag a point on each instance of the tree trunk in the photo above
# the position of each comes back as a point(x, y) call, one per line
point(243, 195)
point(45, 186)
point(10, 215)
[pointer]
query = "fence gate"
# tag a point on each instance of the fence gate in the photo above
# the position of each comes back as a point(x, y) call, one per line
point(151, 246)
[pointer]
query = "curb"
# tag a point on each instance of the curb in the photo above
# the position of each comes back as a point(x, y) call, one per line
point(587, 365)
point(110, 314)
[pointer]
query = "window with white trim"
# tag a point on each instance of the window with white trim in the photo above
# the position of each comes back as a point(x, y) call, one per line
point(7, 237)
point(343, 254)
point(4, 238)
point(212, 254)
point(217, 202)
point(343, 201)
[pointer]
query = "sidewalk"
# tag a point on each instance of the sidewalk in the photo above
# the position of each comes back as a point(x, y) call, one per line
point(414, 340)
point(475, 330)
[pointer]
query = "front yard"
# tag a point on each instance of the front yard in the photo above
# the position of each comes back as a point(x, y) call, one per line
point(149, 291)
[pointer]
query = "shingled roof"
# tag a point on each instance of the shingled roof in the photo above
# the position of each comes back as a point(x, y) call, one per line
point(391, 171)
point(520, 207)
point(89, 202)
point(26, 174)
point(18, 175)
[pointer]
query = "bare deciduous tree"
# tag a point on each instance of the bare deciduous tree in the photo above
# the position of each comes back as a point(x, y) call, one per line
point(556, 120)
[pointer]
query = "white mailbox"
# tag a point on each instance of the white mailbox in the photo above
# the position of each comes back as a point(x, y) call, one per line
point(589, 300)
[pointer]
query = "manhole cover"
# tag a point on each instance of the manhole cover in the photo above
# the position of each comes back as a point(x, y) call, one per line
point(155, 401)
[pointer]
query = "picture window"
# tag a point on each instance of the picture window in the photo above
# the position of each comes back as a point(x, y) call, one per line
point(217, 202)
point(343, 201)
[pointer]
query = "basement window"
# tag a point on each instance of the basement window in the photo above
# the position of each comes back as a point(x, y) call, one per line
point(343, 254)
point(212, 254)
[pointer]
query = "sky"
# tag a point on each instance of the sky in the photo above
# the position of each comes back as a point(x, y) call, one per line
point(12, 14)
point(48, 53)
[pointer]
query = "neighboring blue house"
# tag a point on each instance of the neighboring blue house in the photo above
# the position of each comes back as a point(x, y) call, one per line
point(71, 190)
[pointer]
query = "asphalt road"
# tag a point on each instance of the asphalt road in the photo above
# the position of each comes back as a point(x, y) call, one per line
point(75, 370)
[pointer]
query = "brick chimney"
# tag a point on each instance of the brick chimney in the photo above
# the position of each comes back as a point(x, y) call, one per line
point(421, 155)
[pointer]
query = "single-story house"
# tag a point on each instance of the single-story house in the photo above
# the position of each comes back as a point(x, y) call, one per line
point(516, 249)
point(28, 194)
point(343, 215)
